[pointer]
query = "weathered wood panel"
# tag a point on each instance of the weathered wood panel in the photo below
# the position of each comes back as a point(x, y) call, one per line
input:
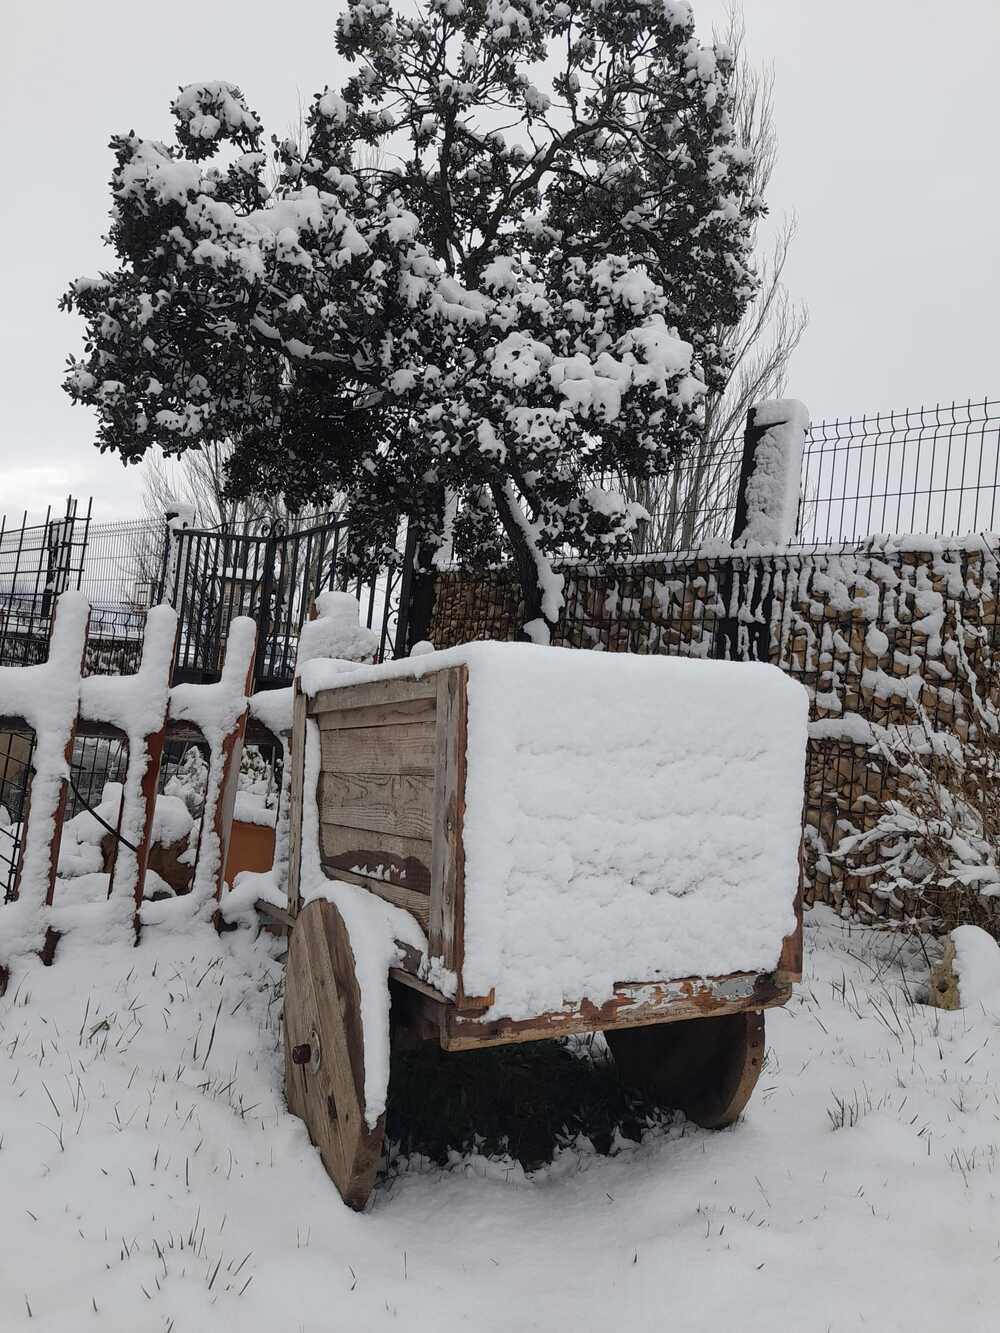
point(790, 963)
point(376, 790)
point(448, 858)
point(325, 1051)
point(375, 715)
point(419, 904)
point(406, 748)
point(298, 762)
point(375, 693)
point(401, 804)
point(402, 861)
point(633, 1005)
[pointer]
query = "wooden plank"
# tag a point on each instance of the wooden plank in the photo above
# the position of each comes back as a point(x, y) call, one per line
point(405, 748)
point(447, 924)
point(406, 978)
point(396, 860)
point(417, 904)
point(273, 915)
point(379, 802)
point(182, 732)
point(259, 735)
point(225, 805)
point(379, 692)
point(790, 963)
point(297, 759)
point(149, 756)
point(149, 786)
point(376, 715)
point(325, 1053)
point(100, 730)
point(633, 1005)
point(51, 936)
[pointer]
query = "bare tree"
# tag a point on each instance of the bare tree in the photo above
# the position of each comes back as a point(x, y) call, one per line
point(198, 479)
point(683, 506)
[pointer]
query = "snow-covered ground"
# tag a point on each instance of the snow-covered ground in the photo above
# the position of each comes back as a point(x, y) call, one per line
point(152, 1180)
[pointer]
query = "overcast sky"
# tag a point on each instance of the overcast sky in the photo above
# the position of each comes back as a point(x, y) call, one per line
point(886, 119)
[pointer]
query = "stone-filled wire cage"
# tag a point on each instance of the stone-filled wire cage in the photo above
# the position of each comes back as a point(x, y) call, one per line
point(895, 642)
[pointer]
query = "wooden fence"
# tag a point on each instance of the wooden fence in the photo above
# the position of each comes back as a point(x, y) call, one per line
point(53, 703)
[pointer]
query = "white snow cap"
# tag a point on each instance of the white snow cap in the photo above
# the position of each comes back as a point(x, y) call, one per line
point(182, 515)
point(628, 818)
point(773, 489)
point(337, 631)
point(977, 966)
point(422, 648)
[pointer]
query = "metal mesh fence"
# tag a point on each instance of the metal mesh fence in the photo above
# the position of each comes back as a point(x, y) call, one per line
point(16, 749)
point(38, 561)
point(123, 564)
point(927, 469)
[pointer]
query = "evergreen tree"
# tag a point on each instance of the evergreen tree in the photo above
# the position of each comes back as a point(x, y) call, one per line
point(466, 300)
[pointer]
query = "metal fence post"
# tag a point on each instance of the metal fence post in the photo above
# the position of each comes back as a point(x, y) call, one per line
point(176, 517)
point(266, 650)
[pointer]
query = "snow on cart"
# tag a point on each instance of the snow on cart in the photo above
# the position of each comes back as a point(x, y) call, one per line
point(533, 842)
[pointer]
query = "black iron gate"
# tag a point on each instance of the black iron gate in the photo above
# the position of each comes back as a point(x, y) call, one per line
point(273, 574)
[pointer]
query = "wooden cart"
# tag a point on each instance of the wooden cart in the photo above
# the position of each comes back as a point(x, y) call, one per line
point(391, 800)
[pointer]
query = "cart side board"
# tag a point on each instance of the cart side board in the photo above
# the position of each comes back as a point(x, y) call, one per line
point(391, 796)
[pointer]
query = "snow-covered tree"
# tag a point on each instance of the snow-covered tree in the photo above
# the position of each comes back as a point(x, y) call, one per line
point(468, 300)
point(684, 507)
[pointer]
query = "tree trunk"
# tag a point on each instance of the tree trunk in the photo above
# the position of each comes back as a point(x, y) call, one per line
point(416, 594)
point(526, 565)
point(422, 589)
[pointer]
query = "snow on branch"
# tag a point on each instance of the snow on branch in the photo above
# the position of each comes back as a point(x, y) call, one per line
point(537, 306)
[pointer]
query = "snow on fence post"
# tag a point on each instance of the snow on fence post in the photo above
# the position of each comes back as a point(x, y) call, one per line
point(767, 509)
point(137, 705)
point(219, 713)
point(767, 498)
point(44, 698)
point(176, 517)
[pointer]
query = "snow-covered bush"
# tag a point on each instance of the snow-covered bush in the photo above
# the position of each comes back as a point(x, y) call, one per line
point(475, 339)
point(937, 843)
point(189, 780)
point(83, 849)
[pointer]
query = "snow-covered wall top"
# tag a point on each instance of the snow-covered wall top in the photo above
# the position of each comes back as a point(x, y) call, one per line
point(626, 818)
point(859, 626)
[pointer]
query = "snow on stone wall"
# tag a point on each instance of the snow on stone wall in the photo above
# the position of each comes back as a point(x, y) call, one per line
point(893, 639)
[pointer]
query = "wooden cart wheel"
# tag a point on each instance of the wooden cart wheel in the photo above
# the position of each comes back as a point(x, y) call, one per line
point(324, 1051)
point(705, 1067)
